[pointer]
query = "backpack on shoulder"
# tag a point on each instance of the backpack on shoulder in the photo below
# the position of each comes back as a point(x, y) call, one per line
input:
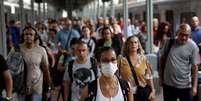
point(17, 67)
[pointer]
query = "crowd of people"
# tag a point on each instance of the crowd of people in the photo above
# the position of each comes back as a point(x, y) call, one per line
point(94, 61)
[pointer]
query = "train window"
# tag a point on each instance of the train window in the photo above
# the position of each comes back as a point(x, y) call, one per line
point(186, 17)
point(169, 16)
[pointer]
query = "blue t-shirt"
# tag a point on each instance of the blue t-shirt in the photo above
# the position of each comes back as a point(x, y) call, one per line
point(65, 37)
point(196, 35)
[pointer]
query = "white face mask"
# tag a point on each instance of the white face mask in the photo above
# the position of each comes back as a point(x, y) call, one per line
point(108, 69)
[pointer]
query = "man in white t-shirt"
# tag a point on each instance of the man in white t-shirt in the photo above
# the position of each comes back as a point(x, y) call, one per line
point(36, 61)
point(79, 73)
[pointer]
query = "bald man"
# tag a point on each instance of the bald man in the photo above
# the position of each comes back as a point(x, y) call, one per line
point(196, 36)
point(196, 30)
point(180, 72)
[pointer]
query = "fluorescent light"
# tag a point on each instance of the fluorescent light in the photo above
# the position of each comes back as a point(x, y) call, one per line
point(12, 9)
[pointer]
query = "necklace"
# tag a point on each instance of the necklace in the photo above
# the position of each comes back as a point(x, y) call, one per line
point(111, 87)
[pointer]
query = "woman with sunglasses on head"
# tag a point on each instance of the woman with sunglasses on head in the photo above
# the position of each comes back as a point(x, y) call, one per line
point(134, 67)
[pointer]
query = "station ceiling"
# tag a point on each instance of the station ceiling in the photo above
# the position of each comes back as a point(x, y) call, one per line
point(61, 4)
point(67, 4)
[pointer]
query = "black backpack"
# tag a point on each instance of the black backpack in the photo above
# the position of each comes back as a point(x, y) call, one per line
point(17, 67)
point(92, 90)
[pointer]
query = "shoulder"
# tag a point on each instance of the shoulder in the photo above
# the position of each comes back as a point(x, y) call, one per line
point(191, 43)
point(122, 59)
point(74, 31)
point(199, 28)
point(94, 39)
point(41, 49)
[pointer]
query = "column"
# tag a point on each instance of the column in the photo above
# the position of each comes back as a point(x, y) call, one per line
point(32, 13)
point(22, 17)
point(98, 8)
point(39, 12)
point(149, 5)
point(125, 5)
point(3, 48)
point(113, 8)
point(44, 10)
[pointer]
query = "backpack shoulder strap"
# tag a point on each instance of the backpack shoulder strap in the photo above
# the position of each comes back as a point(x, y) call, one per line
point(17, 48)
point(171, 42)
point(94, 66)
point(125, 88)
point(70, 69)
point(92, 91)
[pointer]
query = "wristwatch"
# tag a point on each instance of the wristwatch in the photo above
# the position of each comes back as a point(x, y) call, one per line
point(9, 98)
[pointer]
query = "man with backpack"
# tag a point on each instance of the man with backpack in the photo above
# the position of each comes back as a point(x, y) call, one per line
point(196, 36)
point(79, 72)
point(5, 80)
point(36, 66)
point(179, 71)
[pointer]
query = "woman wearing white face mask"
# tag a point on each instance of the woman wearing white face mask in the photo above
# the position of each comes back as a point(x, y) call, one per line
point(107, 87)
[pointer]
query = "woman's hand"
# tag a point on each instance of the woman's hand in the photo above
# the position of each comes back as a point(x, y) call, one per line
point(152, 95)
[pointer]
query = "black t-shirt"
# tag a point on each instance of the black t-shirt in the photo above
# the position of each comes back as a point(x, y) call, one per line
point(3, 67)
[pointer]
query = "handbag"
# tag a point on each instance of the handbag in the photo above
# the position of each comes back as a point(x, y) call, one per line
point(142, 92)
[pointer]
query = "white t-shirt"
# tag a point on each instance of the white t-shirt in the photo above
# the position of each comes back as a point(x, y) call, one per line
point(34, 57)
point(101, 97)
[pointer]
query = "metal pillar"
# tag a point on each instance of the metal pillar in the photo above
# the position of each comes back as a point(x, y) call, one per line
point(104, 10)
point(32, 13)
point(39, 12)
point(125, 4)
point(149, 5)
point(69, 7)
point(113, 8)
point(95, 10)
point(44, 10)
point(47, 15)
point(22, 17)
point(3, 48)
point(98, 8)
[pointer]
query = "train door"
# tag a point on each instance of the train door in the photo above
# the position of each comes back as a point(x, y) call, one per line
point(185, 17)
point(169, 17)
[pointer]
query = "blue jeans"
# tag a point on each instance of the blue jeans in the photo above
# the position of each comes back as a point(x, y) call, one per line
point(172, 94)
point(34, 97)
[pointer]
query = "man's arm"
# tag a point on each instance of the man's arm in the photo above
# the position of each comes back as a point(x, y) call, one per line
point(84, 93)
point(46, 73)
point(66, 89)
point(8, 82)
point(194, 79)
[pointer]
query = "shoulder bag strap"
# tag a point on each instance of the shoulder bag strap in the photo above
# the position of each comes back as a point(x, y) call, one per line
point(68, 40)
point(94, 67)
point(133, 71)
